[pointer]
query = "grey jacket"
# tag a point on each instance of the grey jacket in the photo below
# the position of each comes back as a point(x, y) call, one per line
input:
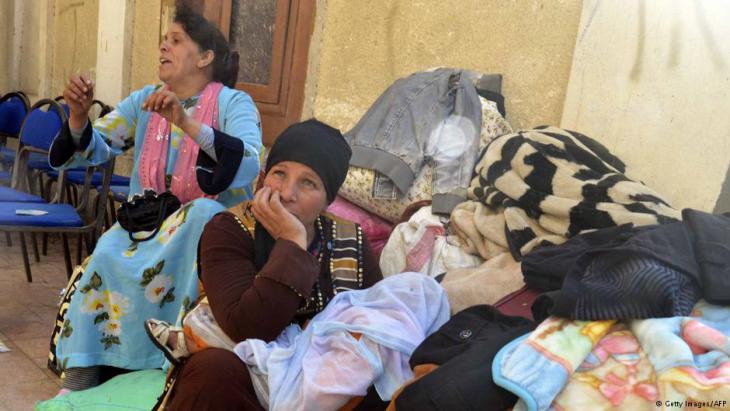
point(431, 116)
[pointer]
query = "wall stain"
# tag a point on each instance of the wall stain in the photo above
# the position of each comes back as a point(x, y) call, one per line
point(709, 39)
point(639, 59)
point(589, 22)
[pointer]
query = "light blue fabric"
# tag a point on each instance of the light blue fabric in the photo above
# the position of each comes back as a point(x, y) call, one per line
point(131, 391)
point(537, 378)
point(125, 283)
point(324, 366)
point(125, 128)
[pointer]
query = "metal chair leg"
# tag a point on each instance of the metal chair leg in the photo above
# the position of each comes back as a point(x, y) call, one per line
point(66, 255)
point(35, 248)
point(76, 195)
point(69, 197)
point(29, 181)
point(79, 244)
point(47, 190)
point(90, 243)
point(26, 263)
point(106, 214)
point(40, 184)
point(112, 210)
point(8, 239)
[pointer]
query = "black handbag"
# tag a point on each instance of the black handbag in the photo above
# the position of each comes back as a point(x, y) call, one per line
point(146, 213)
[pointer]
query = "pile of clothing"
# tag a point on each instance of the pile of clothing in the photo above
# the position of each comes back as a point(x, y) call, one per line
point(571, 283)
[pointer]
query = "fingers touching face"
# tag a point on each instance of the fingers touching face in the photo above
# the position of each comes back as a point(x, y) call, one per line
point(301, 190)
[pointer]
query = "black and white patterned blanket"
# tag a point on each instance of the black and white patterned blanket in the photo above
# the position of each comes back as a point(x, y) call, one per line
point(553, 183)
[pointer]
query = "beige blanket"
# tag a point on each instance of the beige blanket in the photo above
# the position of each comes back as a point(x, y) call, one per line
point(485, 284)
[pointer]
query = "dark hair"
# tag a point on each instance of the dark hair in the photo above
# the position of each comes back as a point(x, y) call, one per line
point(208, 37)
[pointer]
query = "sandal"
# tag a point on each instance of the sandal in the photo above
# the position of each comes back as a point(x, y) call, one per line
point(159, 333)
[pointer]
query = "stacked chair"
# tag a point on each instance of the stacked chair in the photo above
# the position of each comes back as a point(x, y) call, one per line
point(84, 219)
point(14, 107)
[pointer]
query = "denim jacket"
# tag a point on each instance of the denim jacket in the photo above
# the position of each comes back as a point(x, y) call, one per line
point(431, 116)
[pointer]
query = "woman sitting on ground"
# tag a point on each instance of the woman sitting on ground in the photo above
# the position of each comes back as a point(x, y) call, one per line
point(192, 136)
point(282, 264)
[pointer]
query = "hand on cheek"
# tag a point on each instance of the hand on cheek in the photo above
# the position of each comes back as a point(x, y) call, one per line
point(276, 219)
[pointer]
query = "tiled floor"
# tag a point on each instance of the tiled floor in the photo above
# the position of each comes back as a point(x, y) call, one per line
point(27, 313)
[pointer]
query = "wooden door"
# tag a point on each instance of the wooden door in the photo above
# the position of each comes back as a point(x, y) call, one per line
point(272, 37)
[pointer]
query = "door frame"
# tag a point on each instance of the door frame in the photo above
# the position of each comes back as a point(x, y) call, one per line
point(281, 101)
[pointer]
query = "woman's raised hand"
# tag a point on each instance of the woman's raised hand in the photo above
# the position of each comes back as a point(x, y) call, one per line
point(276, 219)
point(166, 103)
point(79, 95)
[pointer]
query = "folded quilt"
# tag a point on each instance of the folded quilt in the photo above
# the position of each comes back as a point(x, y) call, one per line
point(577, 365)
point(485, 284)
point(481, 229)
point(552, 184)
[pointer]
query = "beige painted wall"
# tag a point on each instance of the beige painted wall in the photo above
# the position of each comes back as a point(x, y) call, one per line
point(35, 53)
point(74, 41)
point(145, 43)
point(366, 45)
point(151, 19)
point(651, 80)
point(6, 45)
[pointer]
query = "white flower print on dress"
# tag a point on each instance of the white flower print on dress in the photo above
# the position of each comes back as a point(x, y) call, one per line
point(172, 223)
point(118, 304)
point(94, 302)
point(157, 288)
point(110, 328)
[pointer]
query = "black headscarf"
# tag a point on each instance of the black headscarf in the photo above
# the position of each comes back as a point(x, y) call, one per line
point(319, 147)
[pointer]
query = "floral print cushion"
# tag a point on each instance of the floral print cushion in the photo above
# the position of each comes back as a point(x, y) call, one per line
point(493, 124)
point(358, 187)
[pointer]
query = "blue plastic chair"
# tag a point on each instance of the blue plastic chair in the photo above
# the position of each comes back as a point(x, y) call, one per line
point(14, 107)
point(86, 220)
point(77, 177)
point(74, 177)
point(37, 133)
point(117, 194)
point(7, 194)
point(36, 136)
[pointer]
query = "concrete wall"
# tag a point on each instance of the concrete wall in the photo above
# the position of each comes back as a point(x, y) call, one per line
point(34, 25)
point(6, 45)
point(366, 45)
point(43, 42)
point(651, 80)
point(74, 40)
point(145, 43)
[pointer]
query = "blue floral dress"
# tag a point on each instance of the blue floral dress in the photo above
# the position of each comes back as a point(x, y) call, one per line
point(124, 282)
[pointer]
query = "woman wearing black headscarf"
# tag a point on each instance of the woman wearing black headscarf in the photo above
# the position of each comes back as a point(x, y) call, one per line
point(281, 262)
